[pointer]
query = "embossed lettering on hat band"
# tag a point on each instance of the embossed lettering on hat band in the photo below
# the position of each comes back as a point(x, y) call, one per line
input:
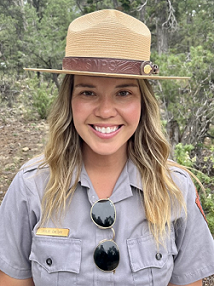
point(109, 65)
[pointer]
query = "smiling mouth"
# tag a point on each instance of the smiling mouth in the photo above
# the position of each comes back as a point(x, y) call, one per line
point(106, 130)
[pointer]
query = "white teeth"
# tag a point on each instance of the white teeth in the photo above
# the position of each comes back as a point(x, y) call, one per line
point(106, 130)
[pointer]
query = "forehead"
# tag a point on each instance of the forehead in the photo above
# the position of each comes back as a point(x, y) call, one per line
point(99, 81)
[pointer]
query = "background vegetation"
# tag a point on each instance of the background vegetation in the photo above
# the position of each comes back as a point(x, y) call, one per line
point(32, 34)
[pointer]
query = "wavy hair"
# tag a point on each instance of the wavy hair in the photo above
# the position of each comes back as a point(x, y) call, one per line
point(147, 148)
point(62, 154)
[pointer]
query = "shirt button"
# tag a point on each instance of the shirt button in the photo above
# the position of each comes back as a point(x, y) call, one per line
point(158, 256)
point(49, 261)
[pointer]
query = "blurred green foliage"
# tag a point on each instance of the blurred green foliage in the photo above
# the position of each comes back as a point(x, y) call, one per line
point(184, 157)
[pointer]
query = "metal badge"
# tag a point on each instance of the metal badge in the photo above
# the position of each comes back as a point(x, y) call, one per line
point(64, 232)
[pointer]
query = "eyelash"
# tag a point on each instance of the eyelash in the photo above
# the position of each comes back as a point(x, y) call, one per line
point(124, 91)
point(121, 93)
point(87, 93)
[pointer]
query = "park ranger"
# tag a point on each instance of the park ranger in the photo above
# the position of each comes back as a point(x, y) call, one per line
point(104, 205)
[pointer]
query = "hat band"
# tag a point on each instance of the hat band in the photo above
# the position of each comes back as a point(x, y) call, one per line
point(109, 65)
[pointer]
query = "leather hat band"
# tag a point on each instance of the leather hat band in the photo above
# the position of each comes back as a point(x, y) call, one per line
point(109, 65)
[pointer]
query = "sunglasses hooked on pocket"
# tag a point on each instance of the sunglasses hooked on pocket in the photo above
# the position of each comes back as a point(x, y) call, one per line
point(106, 254)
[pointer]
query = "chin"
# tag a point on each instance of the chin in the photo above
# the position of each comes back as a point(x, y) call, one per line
point(110, 151)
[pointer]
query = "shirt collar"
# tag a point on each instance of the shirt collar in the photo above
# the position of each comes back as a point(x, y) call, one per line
point(134, 175)
point(130, 177)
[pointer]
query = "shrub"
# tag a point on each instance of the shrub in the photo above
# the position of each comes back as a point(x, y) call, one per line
point(183, 155)
point(42, 95)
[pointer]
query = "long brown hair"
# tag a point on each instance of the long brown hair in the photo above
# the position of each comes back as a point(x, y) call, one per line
point(150, 150)
point(62, 154)
point(147, 148)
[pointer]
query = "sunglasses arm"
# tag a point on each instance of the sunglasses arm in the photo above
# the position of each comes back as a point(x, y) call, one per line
point(113, 233)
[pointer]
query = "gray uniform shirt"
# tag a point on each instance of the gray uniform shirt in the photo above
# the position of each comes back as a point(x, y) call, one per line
point(188, 254)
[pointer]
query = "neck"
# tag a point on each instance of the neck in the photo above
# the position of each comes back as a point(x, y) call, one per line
point(94, 161)
point(104, 170)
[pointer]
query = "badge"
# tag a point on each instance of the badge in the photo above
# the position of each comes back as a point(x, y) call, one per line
point(198, 203)
point(64, 232)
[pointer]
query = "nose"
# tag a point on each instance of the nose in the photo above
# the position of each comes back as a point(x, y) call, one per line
point(106, 107)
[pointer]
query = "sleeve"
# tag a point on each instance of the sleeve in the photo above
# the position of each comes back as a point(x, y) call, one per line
point(195, 245)
point(15, 231)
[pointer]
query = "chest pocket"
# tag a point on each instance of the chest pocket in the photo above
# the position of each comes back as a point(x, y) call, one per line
point(151, 265)
point(55, 261)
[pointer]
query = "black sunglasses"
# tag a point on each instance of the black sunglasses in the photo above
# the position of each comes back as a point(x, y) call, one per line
point(106, 254)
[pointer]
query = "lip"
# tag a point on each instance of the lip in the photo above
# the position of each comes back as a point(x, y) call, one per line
point(105, 125)
point(105, 135)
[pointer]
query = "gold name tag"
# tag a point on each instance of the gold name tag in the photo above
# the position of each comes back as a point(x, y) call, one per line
point(53, 231)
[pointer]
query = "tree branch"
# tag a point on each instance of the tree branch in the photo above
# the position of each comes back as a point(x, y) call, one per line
point(140, 7)
point(171, 17)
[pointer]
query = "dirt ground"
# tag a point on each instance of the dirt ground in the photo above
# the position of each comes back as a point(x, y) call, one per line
point(20, 140)
point(22, 136)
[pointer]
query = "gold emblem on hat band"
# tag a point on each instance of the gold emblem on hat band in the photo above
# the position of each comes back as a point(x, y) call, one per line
point(147, 69)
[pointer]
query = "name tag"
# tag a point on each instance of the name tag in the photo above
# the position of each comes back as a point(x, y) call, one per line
point(53, 231)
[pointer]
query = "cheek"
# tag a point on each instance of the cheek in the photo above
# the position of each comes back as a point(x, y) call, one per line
point(134, 113)
point(76, 106)
point(78, 110)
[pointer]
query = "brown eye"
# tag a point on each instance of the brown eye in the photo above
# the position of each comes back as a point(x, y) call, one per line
point(123, 93)
point(88, 93)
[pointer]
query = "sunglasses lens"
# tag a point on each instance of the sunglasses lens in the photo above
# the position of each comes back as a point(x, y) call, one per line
point(106, 256)
point(103, 213)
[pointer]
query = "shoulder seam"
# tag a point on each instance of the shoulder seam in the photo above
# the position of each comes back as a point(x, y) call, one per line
point(175, 171)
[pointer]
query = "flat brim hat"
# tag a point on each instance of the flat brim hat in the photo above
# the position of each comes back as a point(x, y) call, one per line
point(108, 43)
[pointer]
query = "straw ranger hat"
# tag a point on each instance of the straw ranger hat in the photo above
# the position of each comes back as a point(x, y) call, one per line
point(108, 43)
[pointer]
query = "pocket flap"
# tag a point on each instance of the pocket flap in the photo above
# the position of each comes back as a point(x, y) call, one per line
point(143, 253)
point(57, 254)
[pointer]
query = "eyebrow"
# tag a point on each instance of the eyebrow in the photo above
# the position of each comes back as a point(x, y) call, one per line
point(93, 86)
point(85, 85)
point(127, 85)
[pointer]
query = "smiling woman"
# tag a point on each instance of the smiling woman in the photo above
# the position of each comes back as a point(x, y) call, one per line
point(106, 113)
point(104, 205)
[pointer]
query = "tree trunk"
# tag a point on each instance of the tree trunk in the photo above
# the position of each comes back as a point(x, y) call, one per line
point(55, 79)
point(173, 132)
point(161, 30)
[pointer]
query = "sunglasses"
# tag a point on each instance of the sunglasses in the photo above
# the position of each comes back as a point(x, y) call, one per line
point(106, 254)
